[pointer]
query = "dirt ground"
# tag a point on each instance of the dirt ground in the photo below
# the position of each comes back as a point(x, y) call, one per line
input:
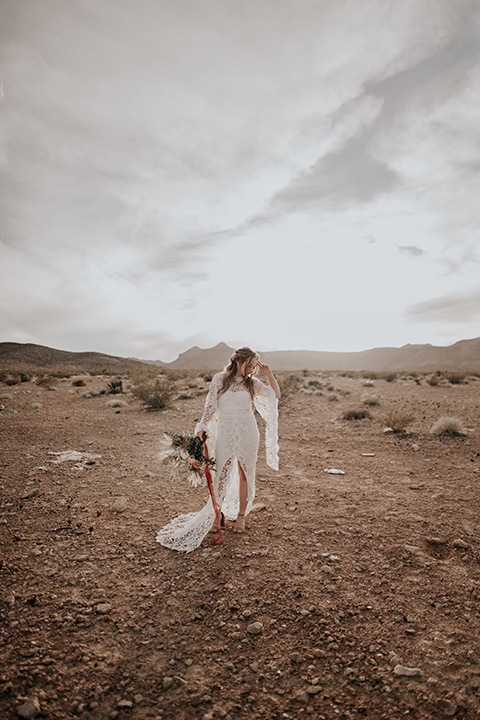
point(353, 577)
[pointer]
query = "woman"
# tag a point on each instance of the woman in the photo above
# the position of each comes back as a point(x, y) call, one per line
point(233, 438)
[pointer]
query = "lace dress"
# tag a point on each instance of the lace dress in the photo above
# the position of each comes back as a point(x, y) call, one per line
point(229, 421)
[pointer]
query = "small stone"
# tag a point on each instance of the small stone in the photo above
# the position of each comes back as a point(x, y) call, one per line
point(103, 608)
point(313, 689)
point(119, 505)
point(167, 682)
point(255, 628)
point(125, 704)
point(138, 698)
point(407, 671)
point(415, 447)
point(29, 494)
point(448, 708)
point(29, 710)
point(459, 543)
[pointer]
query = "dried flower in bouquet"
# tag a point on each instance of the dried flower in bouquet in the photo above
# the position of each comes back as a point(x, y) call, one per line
point(186, 456)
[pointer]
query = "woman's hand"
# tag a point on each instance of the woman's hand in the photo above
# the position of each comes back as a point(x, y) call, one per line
point(264, 368)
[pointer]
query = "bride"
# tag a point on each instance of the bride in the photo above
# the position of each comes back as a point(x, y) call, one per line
point(233, 437)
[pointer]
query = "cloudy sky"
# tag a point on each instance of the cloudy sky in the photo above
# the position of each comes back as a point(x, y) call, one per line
point(289, 174)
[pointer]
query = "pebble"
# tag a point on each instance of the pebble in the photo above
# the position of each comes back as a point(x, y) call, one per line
point(29, 494)
point(167, 682)
point(29, 710)
point(415, 447)
point(313, 689)
point(407, 671)
point(255, 628)
point(334, 471)
point(120, 504)
point(103, 608)
point(125, 704)
point(448, 708)
point(459, 543)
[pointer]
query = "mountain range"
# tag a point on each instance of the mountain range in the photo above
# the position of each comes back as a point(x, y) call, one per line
point(461, 356)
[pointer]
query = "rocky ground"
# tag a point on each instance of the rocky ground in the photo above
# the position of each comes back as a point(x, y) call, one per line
point(349, 595)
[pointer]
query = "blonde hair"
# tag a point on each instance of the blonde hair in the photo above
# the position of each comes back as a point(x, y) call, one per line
point(239, 357)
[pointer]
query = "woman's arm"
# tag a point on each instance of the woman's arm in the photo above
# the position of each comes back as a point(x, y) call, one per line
point(271, 378)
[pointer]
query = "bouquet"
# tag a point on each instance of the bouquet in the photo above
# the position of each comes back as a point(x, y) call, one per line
point(186, 456)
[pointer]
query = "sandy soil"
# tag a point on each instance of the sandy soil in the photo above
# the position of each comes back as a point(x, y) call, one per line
point(351, 576)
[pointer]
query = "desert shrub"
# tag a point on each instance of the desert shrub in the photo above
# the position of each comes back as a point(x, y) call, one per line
point(455, 378)
point(448, 426)
point(433, 380)
point(157, 394)
point(78, 383)
point(390, 377)
point(46, 381)
point(398, 421)
point(12, 380)
point(289, 385)
point(25, 377)
point(315, 384)
point(356, 415)
point(208, 377)
point(371, 400)
point(332, 397)
point(115, 386)
point(116, 403)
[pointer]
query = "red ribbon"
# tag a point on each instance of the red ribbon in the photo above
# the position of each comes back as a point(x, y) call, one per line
point(208, 475)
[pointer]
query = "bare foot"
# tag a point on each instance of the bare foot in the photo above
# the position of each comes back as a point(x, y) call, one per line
point(239, 524)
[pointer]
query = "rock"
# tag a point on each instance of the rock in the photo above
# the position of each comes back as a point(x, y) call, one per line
point(459, 543)
point(255, 628)
point(125, 704)
point(334, 471)
point(313, 689)
point(448, 708)
point(138, 698)
point(103, 608)
point(29, 710)
point(257, 507)
point(407, 671)
point(415, 447)
point(29, 494)
point(167, 682)
point(120, 504)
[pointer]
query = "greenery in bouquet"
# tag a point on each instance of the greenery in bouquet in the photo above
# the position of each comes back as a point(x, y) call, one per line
point(186, 456)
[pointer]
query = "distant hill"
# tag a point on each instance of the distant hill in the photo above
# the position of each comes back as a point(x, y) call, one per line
point(462, 356)
point(24, 356)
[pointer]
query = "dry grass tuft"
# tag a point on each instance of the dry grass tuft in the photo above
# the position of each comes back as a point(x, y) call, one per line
point(398, 421)
point(371, 400)
point(157, 394)
point(116, 403)
point(455, 378)
point(356, 415)
point(448, 426)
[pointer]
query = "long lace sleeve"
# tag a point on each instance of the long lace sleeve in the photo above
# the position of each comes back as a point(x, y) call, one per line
point(266, 404)
point(207, 423)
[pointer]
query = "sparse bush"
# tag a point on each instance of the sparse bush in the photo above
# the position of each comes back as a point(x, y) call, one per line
point(332, 397)
point(390, 377)
point(371, 400)
point(208, 377)
point(45, 381)
point(315, 384)
point(455, 378)
point(116, 403)
point(368, 383)
point(78, 383)
point(157, 394)
point(25, 377)
point(356, 415)
point(115, 387)
point(398, 421)
point(289, 385)
point(448, 426)
point(433, 380)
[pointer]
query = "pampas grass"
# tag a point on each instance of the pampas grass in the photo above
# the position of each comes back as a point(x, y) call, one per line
point(448, 426)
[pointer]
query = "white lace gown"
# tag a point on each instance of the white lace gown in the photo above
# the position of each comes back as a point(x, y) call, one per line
point(229, 421)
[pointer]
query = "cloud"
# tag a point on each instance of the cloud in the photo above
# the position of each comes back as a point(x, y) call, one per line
point(456, 308)
point(412, 250)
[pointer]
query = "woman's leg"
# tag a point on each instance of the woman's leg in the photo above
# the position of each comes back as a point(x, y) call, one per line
point(242, 492)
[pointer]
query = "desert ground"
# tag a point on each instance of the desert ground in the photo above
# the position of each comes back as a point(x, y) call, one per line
point(363, 587)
